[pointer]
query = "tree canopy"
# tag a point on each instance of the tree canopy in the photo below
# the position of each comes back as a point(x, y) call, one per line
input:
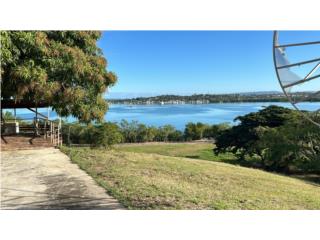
point(242, 138)
point(275, 139)
point(64, 69)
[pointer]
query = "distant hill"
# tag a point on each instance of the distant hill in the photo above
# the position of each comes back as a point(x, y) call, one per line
point(267, 96)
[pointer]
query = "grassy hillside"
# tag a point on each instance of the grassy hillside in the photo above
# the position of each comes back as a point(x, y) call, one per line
point(153, 181)
point(196, 150)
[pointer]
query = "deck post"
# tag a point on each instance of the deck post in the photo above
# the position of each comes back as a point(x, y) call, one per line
point(47, 121)
point(60, 132)
point(51, 132)
point(54, 134)
point(58, 137)
point(45, 130)
point(36, 123)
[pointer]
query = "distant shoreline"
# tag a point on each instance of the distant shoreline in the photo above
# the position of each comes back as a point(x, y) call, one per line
point(217, 98)
point(192, 103)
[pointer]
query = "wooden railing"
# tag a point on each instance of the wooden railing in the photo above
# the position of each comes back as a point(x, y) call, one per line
point(50, 130)
point(55, 134)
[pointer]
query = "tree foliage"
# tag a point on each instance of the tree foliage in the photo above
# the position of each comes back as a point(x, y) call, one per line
point(64, 69)
point(194, 131)
point(292, 147)
point(133, 132)
point(276, 139)
point(8, 115)
point(108, 134)
point(242, 138)
point(213, 131)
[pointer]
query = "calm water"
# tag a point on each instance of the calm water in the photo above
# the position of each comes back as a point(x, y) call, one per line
point(179, 115)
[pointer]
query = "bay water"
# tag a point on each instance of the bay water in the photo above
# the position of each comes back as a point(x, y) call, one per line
point(179, 115)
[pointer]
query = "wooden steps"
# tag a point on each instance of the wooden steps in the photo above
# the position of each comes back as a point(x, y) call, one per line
point(9, 143)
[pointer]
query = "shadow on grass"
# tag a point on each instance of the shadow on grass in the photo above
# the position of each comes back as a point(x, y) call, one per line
point(313, 178)
point(229, 160)
point(310, 178)
point(194, 157)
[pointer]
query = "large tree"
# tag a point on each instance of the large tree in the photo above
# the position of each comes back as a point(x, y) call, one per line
point(292, 147)
point(63, 69)
point(242, 139)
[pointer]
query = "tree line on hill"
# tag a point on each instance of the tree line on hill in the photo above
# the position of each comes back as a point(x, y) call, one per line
point(217, 98)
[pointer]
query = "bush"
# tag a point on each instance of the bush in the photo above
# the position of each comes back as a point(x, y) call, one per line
point(137, 132)
point(129, 131)
point(215, 130)
point(176, 136)
point(107, 134)
point(89, 134)
point(164, 132)
point(194, 131)
point(72, 133)
point(146, 134)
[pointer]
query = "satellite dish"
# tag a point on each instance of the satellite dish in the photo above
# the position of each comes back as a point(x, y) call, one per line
point(297, 75)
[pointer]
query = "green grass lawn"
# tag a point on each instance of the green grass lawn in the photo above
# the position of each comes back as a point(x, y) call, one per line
point(196, 150)
point(154, 181)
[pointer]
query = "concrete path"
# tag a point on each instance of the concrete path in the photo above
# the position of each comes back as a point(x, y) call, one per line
point(47, 179)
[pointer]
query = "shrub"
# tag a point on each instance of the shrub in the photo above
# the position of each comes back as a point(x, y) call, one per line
point(194, 131)
point(72, 133)
point(176, 136)
point(215, 130)
point(129, 131)
point(164, 132)
point(107, 134)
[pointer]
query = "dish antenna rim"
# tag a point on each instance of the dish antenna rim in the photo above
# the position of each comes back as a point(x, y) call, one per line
point(277, 46)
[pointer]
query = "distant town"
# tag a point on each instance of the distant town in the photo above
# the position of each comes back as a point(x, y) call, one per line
point(220, 98)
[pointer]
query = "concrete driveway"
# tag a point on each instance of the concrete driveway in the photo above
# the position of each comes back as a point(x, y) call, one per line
point(47, 179)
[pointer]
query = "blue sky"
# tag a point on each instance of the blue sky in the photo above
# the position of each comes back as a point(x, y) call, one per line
point(187, 62)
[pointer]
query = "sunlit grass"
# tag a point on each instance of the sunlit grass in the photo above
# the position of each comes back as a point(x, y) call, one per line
point(154, 181)
point(195, 150)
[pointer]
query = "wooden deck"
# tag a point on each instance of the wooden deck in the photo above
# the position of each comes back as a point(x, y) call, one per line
point(29, 133)
point(9, 143)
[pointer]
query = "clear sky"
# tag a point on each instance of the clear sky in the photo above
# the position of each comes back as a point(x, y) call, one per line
point(187, 62)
